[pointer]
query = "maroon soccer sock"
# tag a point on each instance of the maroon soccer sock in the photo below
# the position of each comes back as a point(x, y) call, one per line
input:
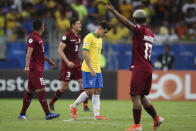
point(56, 96)
point(151, 111)
point(137, 115)
point(85, 103)
point(43, 101)
point(26, 102)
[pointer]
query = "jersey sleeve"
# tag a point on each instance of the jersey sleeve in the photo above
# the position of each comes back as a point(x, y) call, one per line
point(31, 42)
point(65, 39)
point(86, 43)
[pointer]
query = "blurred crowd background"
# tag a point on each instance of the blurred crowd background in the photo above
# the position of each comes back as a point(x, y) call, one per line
point(173, 55)
point(171, 20)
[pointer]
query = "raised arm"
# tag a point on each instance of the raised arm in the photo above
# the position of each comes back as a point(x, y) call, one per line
point(121, 18)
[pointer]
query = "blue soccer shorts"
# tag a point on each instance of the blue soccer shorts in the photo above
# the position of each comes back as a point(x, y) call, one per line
point(92, 82)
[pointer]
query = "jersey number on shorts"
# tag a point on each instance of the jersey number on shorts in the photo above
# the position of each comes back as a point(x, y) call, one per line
point(42, 81)
point(148, 49)
point(76, 47)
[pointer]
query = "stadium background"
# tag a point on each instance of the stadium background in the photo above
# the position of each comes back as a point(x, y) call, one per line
point(173, 92)
point(173, 23)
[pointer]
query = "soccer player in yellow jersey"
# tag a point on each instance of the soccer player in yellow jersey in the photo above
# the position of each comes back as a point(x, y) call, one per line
point(91, 71)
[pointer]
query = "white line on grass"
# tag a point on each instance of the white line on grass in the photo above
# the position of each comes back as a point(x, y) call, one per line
point(144, 116)
point(96, 122)
point(147, 116)
point(181, 115)
point(82, 120)
point(79, 118)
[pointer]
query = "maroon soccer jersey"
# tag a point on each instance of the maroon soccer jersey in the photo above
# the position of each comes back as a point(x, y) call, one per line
point(37, 58)
point(72, 42)
point(141, 48)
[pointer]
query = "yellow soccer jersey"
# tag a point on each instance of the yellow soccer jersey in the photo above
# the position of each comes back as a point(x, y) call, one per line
point(93, 44)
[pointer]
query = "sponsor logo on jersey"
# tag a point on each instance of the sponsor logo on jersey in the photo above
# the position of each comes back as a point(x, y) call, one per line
point(72, 40)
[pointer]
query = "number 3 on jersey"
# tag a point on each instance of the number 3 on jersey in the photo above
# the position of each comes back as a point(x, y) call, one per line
point(148, 49)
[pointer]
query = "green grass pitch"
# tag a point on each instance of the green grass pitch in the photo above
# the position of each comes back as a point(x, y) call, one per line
point(178, 115)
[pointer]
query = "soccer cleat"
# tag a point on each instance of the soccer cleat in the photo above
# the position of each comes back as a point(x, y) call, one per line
point(73, 111)
point(22, 117)
point(86, 109)
point(157, 122)
point(51, 116)
point(100, 118)
point(135, 127)
point(51, 106)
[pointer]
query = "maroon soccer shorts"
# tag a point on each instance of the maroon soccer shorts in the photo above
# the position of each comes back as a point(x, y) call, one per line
point(67, 74)
point(140, 83)
point(36, 81)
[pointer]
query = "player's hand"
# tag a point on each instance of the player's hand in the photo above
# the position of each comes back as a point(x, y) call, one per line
point(52, 64)
point(109, 6)
point(26, 70)
point(93, 73)
point(70, 64)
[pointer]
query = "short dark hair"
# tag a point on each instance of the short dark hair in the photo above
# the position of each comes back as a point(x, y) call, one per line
point(37, 24)
point(104, 24)
point(73, 21)
point(140, 20)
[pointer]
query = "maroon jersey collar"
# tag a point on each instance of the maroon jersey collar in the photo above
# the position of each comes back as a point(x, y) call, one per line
point(34, 32)
point(144, 25)
point(74, 34)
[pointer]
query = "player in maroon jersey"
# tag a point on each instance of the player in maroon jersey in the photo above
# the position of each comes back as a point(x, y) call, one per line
point(141, 66)
point(34, 68)
point(70, 65)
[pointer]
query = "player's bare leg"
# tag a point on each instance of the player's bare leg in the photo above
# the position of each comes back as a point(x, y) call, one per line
point(150, 110)
point(137, 109)
point(59, 92)
point(96, 104)
point(85, 103)
point(82, 97)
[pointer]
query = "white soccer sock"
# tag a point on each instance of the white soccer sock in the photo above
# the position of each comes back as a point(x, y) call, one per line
point(96, 104)
point(80, 99)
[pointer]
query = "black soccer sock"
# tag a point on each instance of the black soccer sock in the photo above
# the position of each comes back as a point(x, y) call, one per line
point(151, 111)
